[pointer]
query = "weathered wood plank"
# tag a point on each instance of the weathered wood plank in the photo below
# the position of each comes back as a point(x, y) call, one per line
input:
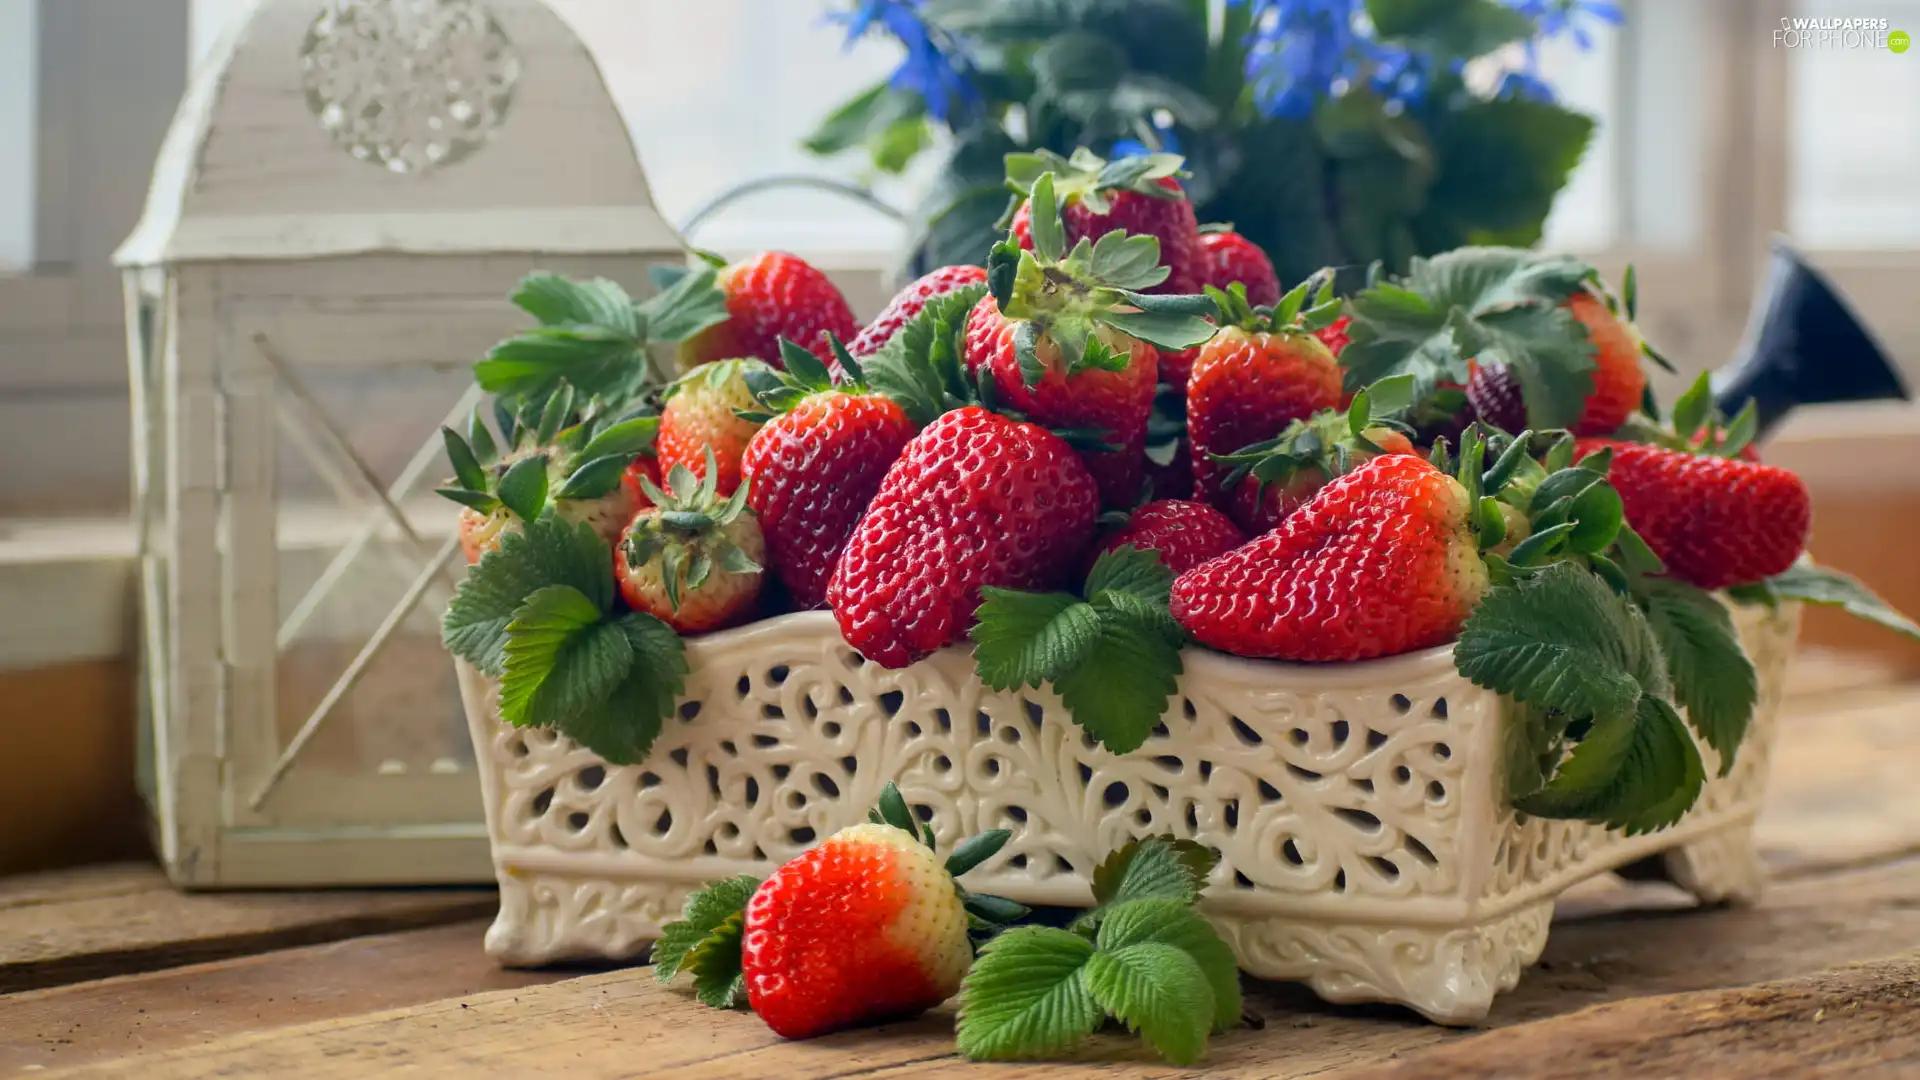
point(62, 927)
point(164, 1010)
point(1842, 792)
point(623, 1023)
point(1858, 1021)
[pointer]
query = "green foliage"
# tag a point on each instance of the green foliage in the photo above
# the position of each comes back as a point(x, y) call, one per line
point(1355, 182)
point(1829, 588)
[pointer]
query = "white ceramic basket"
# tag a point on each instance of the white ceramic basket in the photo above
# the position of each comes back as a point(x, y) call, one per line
point(1367, 846)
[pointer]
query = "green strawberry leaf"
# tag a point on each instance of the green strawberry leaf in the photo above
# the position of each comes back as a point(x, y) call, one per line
point(560, 301)
point(466, 465)
point(1829, 588)
point(704, 912)
point(1120, 688)
point(1024, 997)
point(1159, 991)
point(692, 303)
point(1163, 329)
point(524, 487)
point(543, 553)
point(597, 359)
point(1712, 678)
point(1691, 409)
point(1153, 868)
point(1668, 772)
point(626, 438)
point(1639, 772)
point(975, 850)
point(1025, 639)
point(562, 657)
point(719, 981)
point(922, 366)
point(478, 500)
point(1175, 923)
point(1561, 640)
point(622, 727)
point(1124, 262)
point(1136, 572)
point(598, 477)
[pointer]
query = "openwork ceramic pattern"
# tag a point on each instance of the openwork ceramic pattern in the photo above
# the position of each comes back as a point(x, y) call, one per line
point(1367, 848)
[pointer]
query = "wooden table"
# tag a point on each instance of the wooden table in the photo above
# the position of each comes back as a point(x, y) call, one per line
point(107, 972)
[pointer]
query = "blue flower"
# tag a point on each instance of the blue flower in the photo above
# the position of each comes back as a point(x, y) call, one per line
point(1299, 51)
point(1557, 17)
point(936, 67)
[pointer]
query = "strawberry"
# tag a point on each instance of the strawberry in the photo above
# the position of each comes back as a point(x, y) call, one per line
point(1716, 522)
point(1136, 195)
point(867, 926)
point(1382, 561)
point(1185, 533)
point(908, 303)
point(572, 459)
point(1618, 379)
point(770, 296)
point(643, 467)
point(975, 499)
point(690, 559)
point(815, 466)
point(1333, 335)
point(1176, 366)
point(1277, 477)
point(702, 413)
point(1259, 373)
point(1054, 338)
point(1227, 257)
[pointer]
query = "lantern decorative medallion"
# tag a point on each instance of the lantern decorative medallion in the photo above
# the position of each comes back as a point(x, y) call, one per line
point(348, 188)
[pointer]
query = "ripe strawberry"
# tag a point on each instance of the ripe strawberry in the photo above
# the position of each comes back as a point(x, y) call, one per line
point(815, 466)
point(770, 296)
point(702, 412)
point(643, 467)
point(1114, 400)
point(1280, 475)
point(1333, 335)
point(1716, 522)
point(1381, 561)
point(1185, 533)
point(867, 926)
point(561, 455)
point(1064, 343)
point(1618, 379)
point(908, 302)
point(1139, 196)
point(975, 499)
point(690, 559)
point(1258, 374)
point(1176, 366)
point(1227, 257)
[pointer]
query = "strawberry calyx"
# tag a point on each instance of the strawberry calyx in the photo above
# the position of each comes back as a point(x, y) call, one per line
point(1090, 180)
point(1331, 441)
point(803, 377)
point(686, 530)
point(1697, 426)
point(556, 449)
point(1293, 315)
point(1070, 295)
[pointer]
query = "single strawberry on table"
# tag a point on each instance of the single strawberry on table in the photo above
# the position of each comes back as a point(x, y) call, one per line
point(560, 453)
point(690, 559)
point(909, 302)
point(975, 499)
point(703, 412)
point(770, 296)
point(813, 468)
point(1227, 257)
point(1261, 371)
point(1185, 533)
point(1139, 195)
point(1067, 342)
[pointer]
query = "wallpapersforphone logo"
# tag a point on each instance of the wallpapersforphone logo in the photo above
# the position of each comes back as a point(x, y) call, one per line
point(1827, 33)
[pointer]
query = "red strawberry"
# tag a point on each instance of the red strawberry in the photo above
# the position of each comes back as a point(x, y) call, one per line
point(1282, 474)
point(908, 303)
point(1333, 335)
point(813, 469)
point(770, 296)
point(975, 499)
point(1143, 199)
point(1227, 257)
point(1716, 522)
point(690, 559)
point(1618, 379)
point(1185, 534)
point(1382, 561)
point(867, 926)
point(1176, 366)
point(644, 467)
point(1114, 402)
point(702, 412)
point(1257, 375)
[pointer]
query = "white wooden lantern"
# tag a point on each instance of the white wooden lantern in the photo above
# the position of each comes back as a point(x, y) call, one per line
point(350, 190)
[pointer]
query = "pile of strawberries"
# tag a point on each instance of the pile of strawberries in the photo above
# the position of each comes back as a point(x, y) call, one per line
point(994, 426)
